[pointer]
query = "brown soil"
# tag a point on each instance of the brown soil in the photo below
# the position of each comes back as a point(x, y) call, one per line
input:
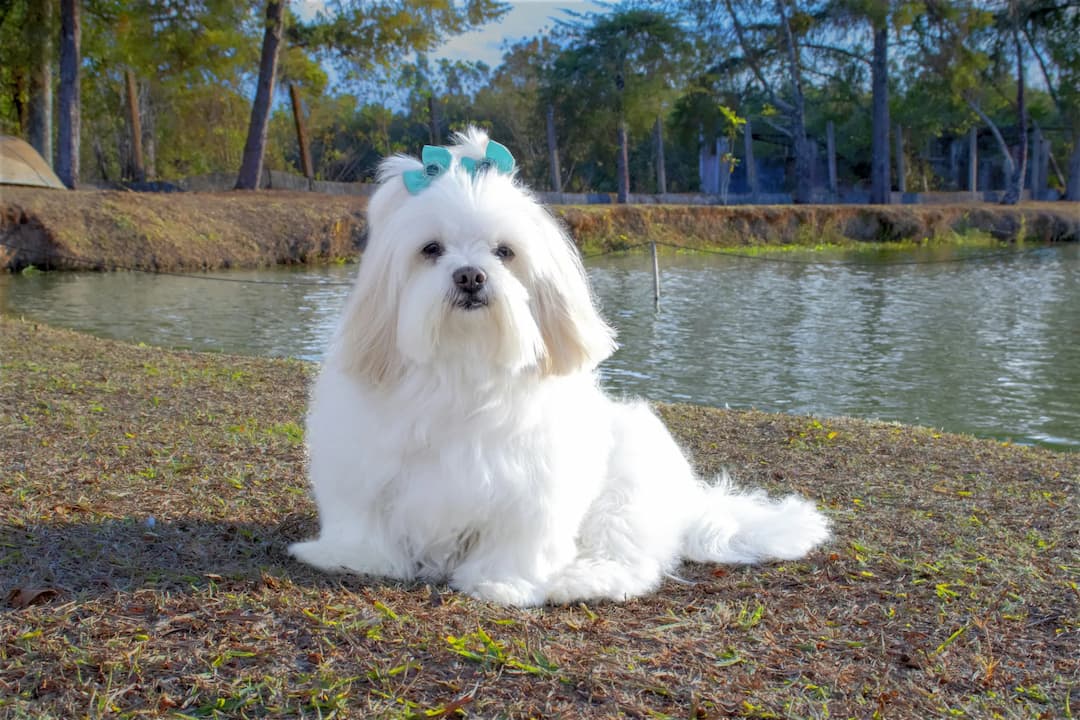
point(147, 496)
point(116, 230)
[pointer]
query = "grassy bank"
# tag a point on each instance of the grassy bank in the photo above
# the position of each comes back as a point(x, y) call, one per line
point(106, 229)
point(603, 228)
point(148, 497)
point(170, 231)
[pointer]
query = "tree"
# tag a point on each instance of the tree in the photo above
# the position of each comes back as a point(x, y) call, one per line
point(954, 42)
point(631, 62)
point(771, 52)
point(517, 101)
point(880, 16)
point(803, 168)
point(1051, 32)
point(361, 35)
point(255, 147)
point(186, 63)
point(1015, 187)
point(879, 174)
point(67, 151)
point(39, 28)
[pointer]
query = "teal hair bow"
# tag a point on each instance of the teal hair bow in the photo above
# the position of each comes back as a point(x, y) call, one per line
point(496, 157)
point(436, 162)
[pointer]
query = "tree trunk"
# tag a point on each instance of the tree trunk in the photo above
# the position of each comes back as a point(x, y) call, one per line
point(1038, 165)
point(433, 121)
point(553, 151)
point(973, 160)
point(661, 169)
point(301, 133)
point(1010, 165)
point(138, 167)
point(804, 184)
point(748, 158)
point(102, 163)
point(1016, 184)
point(622, 164)
point(252, 164)
point(68, 122)
point(40, 112)
point(149, 128)
point(879, 152)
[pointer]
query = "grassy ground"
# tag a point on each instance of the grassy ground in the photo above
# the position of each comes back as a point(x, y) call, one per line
point(147, 498)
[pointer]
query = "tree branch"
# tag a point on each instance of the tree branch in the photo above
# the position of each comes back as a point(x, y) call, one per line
point(839, 51)
point(751, 59)
point(1045, 72)
point(777, 128)
point(1002, 145)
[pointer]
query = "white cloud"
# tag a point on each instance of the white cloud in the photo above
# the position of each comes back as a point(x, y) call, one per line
point(525, 19)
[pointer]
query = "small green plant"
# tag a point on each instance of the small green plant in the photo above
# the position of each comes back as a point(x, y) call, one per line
point(481, 648)
point(733, 125)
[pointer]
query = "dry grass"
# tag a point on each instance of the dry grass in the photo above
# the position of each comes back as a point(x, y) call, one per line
point(108, 229)
point(949, 590)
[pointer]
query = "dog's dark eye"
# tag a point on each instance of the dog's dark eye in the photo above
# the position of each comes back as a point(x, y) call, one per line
point(504, 252)
point(432, 250)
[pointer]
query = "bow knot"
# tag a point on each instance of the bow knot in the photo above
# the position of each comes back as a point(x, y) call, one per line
point(496, 157)
point(437, 161)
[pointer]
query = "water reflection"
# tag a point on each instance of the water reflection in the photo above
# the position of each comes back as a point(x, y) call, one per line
point(987, 346)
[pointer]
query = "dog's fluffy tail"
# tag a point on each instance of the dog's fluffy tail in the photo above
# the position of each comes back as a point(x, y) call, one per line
point(732, 526)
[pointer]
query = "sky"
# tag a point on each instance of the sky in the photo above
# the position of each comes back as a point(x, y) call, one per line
point(526, 18)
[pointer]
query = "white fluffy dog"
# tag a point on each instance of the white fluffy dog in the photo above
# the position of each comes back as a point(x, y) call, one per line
point(457, 431)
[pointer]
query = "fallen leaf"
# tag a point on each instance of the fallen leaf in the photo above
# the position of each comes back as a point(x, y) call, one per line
point(25, 597)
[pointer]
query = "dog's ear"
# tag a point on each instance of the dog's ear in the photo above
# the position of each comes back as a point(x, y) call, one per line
point(575, 336)
point(366, 344)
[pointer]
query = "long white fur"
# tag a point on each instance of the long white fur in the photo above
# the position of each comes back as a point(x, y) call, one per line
point(475, 446)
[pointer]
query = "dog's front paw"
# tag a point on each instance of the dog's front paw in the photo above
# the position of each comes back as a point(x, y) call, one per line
point(516, 592)
point(320, 554)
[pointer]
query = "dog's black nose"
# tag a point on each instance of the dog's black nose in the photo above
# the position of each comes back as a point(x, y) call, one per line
point(470, 279)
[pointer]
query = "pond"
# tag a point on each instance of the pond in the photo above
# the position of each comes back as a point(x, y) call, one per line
point(975, 340)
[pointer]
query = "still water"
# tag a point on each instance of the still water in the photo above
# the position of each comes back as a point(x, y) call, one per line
point(976, 340)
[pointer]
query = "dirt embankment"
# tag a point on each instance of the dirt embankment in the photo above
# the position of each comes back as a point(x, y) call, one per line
point(109, 229)
point(613, 227)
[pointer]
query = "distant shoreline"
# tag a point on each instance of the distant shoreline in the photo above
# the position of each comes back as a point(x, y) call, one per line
point(109, 230)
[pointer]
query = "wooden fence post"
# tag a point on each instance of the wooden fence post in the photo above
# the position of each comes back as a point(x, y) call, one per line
point(751, 166)
point(553, 151)
point(973, 161)
point(830, 143)
point(901, 175)
point(301, 133)
point(661, 170)
point(656, 276)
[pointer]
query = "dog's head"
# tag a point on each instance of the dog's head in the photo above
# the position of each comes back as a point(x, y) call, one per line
point(464, 266)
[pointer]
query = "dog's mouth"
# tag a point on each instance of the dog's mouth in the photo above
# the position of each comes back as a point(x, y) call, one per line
point(470, 301)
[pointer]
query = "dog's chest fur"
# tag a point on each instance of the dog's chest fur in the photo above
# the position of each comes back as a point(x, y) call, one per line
point(473, 465)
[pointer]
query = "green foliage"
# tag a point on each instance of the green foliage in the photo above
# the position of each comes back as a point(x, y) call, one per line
point(682, 62)
point(625, 66)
